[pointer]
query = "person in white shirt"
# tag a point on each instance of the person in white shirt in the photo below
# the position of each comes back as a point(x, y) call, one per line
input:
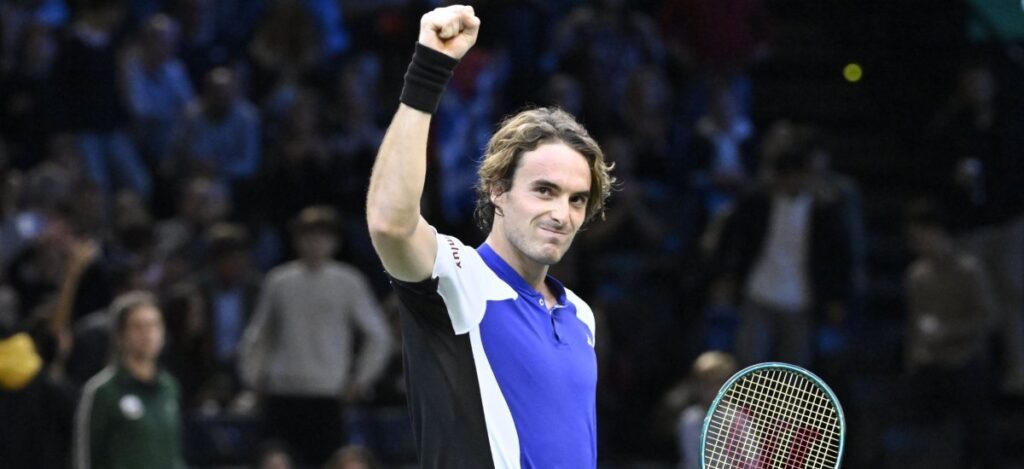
point(786, 259)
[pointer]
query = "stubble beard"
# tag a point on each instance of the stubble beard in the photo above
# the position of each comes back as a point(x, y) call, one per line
point(533, 247)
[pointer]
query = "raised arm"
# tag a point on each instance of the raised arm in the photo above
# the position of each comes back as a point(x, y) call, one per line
point(402, 238)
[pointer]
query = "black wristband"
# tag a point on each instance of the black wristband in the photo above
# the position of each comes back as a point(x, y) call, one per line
point(426, 78)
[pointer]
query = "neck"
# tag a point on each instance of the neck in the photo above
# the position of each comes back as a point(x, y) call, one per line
point(945, 253)
point(533, 272)
point(314, 264)
point(151, 64)
point(142, 369)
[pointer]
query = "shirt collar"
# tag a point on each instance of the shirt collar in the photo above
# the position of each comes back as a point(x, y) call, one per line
point(516, 281)
point(128, 378)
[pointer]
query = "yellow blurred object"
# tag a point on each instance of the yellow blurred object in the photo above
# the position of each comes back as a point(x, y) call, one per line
point(853, 72)
point(19, 362)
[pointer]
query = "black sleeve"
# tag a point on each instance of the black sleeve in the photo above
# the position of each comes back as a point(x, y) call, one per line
point(421, 300)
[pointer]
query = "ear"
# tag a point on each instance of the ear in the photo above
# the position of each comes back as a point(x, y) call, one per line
point(497, 200)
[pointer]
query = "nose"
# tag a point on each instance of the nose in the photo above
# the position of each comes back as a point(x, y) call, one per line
point(560, 211)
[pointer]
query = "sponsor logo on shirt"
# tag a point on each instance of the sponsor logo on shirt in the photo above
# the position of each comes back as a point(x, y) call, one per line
point(455, 252)
point(131, 406)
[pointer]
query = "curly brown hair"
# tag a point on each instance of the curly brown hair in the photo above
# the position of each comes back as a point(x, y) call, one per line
point(524, 132)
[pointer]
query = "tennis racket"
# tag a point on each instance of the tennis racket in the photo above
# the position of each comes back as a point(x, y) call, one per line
point(773, 416)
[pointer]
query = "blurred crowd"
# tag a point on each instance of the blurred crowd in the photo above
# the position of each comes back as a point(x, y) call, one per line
point(214, 154)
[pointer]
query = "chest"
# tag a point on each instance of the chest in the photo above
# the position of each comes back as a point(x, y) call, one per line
point(944, 291)
point(314, 296)
point(145, 413)
point(550, 353)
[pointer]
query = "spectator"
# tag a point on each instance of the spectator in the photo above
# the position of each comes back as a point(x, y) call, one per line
point(390, 390)
point(716, 37)
point(607, 257)
point(36, 270)
point(285, 48)
point(201, 47)
point(35, 401)
point(27, 95)
point(951, 313)
point(157, 88)
point(86, 74)
point(974, 154)
point(188, 355)
point(646, 109)
point(713, 44)
point(601, 44)
point(564, 91)
point(827, 180)
point(710, 371)
point(203, 203)
point(91, 345)
point(352, 457)
point(297, 351)
point(301, 169)
point(465, 121)
point(221, 134)
point(128, 415)
point(334, 38)
point(15, 17)
point(274, 455)
point(722, 153)
point(356, 134)
point(229, 290)
point(786, 258)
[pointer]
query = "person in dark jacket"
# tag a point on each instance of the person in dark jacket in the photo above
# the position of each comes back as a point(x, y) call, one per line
point(784, 257)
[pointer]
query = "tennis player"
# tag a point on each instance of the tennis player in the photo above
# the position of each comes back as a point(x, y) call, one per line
point(499, 356)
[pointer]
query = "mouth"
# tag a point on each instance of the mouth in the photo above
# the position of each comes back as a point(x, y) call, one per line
point(559, 233)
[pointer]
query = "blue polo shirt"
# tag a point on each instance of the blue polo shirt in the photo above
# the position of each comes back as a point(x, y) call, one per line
point(496, 377)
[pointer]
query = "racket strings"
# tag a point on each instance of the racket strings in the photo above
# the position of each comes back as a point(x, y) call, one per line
point(789, 408)
point(767, 431)
point(773, 418)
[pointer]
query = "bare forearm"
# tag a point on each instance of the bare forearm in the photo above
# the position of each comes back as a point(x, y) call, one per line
point(396, 183)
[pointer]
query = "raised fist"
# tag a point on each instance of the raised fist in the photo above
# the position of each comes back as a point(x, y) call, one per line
point(451, 30)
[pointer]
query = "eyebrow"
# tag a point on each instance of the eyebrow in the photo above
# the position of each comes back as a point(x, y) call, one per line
point(551, 185)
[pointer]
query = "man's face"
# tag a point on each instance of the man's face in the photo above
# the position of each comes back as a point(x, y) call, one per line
point(924, 240)
point(792, 183)
point(546, 204)
point(232, 266)
point(143, 334)
point(317, 245)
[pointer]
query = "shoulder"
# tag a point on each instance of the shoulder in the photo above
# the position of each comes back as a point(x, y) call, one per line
point(176, 68)
point(826, 199)
point(970, 265)
point(168, 382)
point(247, 111)
point(101, 386)
point(583, 310)
point(132, 63)
point(918, 270)
point(283, 272)
point(96, 321)
point(757, 198)
point(456, 259)
point(344, 270)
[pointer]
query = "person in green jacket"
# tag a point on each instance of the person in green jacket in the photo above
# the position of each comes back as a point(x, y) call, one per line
point(128, 416)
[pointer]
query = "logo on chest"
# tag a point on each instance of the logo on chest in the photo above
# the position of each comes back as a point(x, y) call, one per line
point(131, 407)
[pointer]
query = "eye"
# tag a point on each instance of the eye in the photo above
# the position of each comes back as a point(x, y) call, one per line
point(542, 190)
point(578, 200)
